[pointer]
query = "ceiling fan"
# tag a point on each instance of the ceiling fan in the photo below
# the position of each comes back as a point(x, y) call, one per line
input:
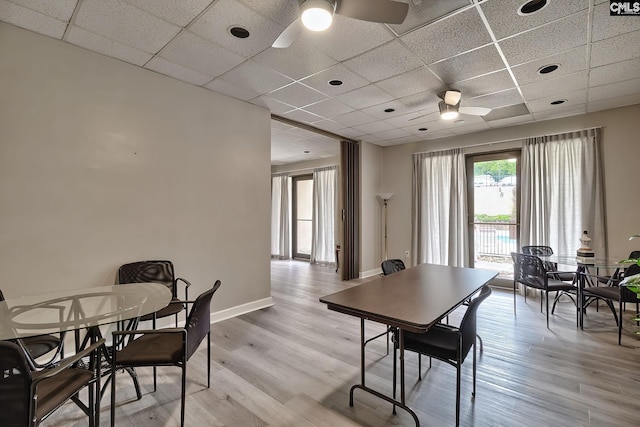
point(450, 106)
point(317, 15)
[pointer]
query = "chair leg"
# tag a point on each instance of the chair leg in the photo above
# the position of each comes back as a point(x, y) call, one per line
point(620, 323)
point(481, 343)
point(514, 297)
point(209, 359)
point(419, 367)
point(395, 379)
point(458, 394)
point(474, 370)
point(113, 391)
point(182, 397)
point(547, 301)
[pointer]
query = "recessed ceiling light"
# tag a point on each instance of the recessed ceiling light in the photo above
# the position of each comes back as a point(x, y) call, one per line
point(239, 32)
point(423, 129)
point(548, 69)
point(389, 110)
point(306, 151)
point(335, 82)
point(558, 102)
point(531, 6)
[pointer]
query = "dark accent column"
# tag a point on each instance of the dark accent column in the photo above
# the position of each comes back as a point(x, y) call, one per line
point(350, 166)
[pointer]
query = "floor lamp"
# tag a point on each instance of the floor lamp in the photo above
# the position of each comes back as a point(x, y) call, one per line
point(385, 198)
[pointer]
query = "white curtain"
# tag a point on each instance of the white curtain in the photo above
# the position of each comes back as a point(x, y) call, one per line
point(562, 186)
point(439, 209)
point(281, 216)
point(325, 197)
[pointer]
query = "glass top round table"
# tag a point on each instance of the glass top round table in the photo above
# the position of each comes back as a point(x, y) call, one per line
point(79, 308)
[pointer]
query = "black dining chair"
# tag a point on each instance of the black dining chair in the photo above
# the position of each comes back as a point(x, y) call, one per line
point(447, 343)
point(530, 271)
point(28, 397)
point(565, 276)
point(38, 346)
point(167, 347)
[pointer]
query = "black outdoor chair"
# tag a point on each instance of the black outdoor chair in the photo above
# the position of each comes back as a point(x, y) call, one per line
point(530, 271)
point(167, 347)
point(447, 343)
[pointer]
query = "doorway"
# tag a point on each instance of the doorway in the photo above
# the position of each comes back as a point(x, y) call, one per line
point(493, 188)
point(302, 212)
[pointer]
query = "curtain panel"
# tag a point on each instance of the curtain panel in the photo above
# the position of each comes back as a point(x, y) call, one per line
point(439, 209)
point(281, 216)
point(562, 184)
point(325, 202)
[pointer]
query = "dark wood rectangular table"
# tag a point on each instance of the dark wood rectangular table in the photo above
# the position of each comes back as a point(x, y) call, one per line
point(412, 300)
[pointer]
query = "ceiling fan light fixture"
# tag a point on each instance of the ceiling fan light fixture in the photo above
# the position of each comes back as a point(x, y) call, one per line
point(448, 112)
point(317, 15)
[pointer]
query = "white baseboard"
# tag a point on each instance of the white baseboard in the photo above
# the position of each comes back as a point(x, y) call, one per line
point(228, 313)
point(370, 273)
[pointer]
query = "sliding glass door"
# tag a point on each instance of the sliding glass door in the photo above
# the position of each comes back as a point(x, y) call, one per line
point(302, 216)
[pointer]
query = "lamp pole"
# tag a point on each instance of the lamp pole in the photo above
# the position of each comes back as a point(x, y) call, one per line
point(385, 198)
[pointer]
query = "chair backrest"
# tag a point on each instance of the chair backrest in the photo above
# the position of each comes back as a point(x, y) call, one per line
point(634, 254)
point(391, 266)
point(155, 271)
point(15, 381)
point(529, 270)
point(199, 321)
point(537, 250)
point(468, 324)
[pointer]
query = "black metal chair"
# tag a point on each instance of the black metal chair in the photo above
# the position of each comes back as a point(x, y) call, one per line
point(530, 271)
point(614, 293)
point(167, 347)
point(390, 266)
point(28, 397)
point(565, 276)
point(447, 343)
point(156, 271)
point(37, 346)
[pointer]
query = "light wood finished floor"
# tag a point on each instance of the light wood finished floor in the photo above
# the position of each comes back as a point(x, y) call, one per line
point(293, 364)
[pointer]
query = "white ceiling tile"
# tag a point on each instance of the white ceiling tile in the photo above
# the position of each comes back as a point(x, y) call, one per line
point(443, 133)
point(198, 54)
point(423, 12)
point(504, 19)
point(105, 46)
point(255, 77)
point(484, 85)
point(614, 102)
point(355, 118)
point(463, 128)
point(495, 100)
point(571, 110)
point(177, 12)
point(351, 133)
point(405, 120)
point(616, 49)
point(392, 134)
point(550, 87)
point(606, 26)
point(349, 79)
point(31, 20)
point(283, 11)
point(544, 104)
point(214, 26)
point(297, 61)
point(613, 73)
point(510, 121)
point(561, 35)
point(374, 127)
point(409, 83)
point(329, 125)
point(125, 24)
point(384, 61)
point(485, 60)
point(276, 107)
point(328, 108)
point(456, 34)
point(427, 100)
point(365, 97)
point(348, 37)
point(297, 94)
point(59, 9)
point(179, 72)
point(301, 116)
point(614, 90)
point(226, 88)
point(569, 62)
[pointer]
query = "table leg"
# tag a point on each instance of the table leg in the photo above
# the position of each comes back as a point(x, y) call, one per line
point(362, 385)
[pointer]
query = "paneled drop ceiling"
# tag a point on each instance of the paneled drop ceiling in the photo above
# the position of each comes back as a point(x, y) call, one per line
point(485, 49)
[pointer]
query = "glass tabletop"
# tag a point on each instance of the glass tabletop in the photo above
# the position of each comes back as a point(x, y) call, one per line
point(575, 261)
point(79, 308)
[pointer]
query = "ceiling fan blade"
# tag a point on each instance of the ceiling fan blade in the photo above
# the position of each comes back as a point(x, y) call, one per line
point(475, 111)
point(289, 35)
point(452, 97)
point(384, 11)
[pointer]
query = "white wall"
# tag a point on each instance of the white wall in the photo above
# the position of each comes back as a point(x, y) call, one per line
point(621, 151)
point(103, 163)
point(371, 235)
